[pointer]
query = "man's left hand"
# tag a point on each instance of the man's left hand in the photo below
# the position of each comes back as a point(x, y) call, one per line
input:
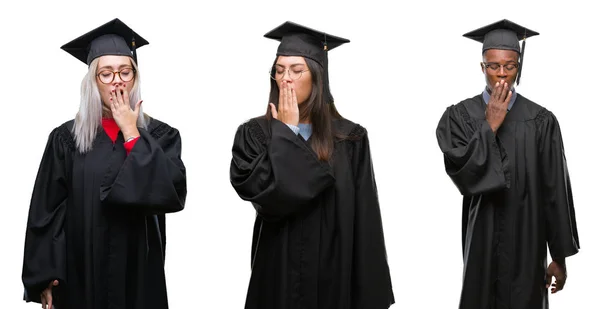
point(558, 270)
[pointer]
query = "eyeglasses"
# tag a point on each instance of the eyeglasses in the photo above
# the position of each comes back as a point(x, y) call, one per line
point(278, 72)
point(496, 66)
point(107, 76)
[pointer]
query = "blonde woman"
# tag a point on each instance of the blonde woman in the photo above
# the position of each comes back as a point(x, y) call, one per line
point(95, 234)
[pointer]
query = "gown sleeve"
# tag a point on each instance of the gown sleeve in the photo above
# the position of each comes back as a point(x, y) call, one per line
point(561, 226)
point(129, 145)
point(278, 175)
point(473, 156)
point(152, 179)
point(44, 258)
point(373, 286)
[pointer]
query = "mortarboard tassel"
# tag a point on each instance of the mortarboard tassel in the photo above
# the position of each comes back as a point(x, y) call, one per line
point(133, 49)
point(326, 89)
point(522, 54)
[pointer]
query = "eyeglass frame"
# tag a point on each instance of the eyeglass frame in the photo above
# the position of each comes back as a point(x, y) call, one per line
point(288, 73)
point(114, 73)
point(488, 64)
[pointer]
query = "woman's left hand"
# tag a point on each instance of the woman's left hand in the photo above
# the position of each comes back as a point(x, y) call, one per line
point(124, 116)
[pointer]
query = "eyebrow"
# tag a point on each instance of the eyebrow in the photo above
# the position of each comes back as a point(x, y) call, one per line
point(110, 66)
point(494, 62)
point(292, 65)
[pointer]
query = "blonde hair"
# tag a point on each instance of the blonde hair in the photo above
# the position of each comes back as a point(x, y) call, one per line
point(89, 117)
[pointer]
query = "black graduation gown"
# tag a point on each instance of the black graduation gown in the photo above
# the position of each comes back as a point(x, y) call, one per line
point(318, 237)
point(97, 221)
point(517, 199)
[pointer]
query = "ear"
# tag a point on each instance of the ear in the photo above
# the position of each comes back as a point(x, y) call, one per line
point(482, 62)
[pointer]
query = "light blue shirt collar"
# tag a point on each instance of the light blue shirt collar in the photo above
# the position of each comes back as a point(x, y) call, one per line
point(513, 98)
point(305, 130)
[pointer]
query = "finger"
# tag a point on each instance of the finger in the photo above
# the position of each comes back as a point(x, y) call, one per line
point(289, 96)
point(126, 96)
point(273, 110)
point(280, 96)
point(548, 279)
point(55, 283)
point(560, 284)
point(43, 301)
point(50, 302)
point(137, 107)
point(501, 86)
point(504, 92)
point(508, 96)
point(119, 96)
point(115, 98)
point(286, 102)
point(556, 287)
point(294, 99)
point(495, 90)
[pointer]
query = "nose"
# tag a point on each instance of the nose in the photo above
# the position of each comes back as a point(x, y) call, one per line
point(117, 79)
point(502, 72)
point(286, 76)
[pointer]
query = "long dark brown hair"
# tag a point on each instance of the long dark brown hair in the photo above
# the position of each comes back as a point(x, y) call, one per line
point(316, 109)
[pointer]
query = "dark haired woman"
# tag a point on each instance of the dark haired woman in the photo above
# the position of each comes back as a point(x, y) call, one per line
point(318, 237)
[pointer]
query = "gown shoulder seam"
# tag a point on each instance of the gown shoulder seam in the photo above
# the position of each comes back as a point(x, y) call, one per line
point(541, 116)
point(256, 131)
point(358, 131)
point(65, 137)
point(160, 130)
point(464, 113)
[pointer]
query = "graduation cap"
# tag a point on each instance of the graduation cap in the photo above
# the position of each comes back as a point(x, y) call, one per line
point(298, 40)
point(503, 34)
point(112, 38)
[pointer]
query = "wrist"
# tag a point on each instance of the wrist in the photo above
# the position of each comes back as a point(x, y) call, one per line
point(130, 132)
point(492, 126)
point(293, 122)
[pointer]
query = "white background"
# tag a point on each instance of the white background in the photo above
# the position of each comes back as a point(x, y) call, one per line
point(205, 72)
